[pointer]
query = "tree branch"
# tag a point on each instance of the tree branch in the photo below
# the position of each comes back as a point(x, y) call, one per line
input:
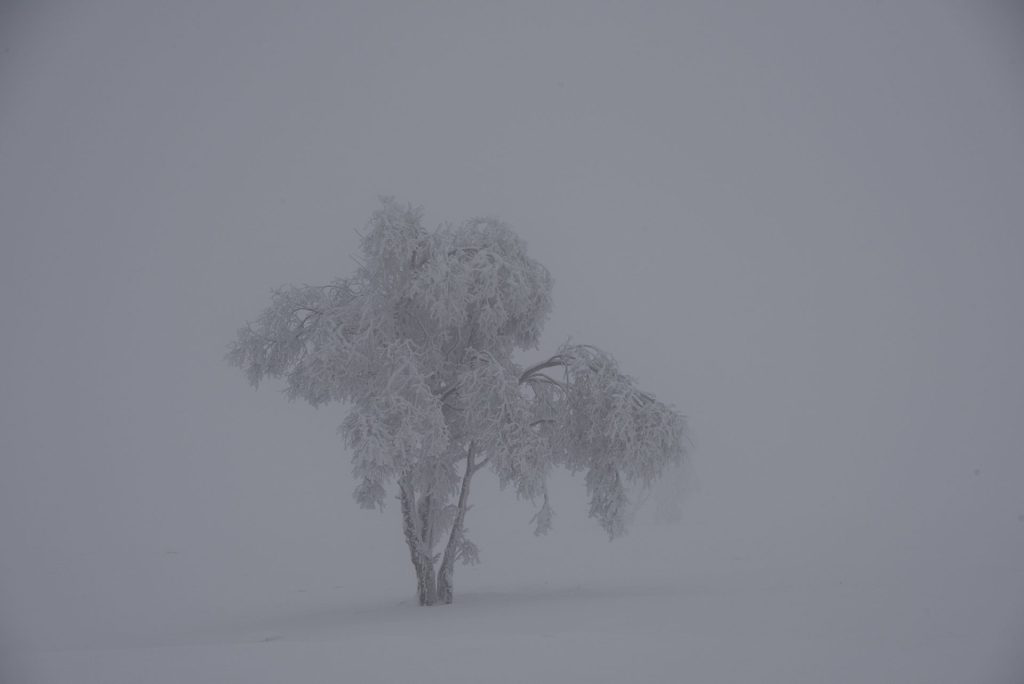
point(543, 377)
point(555, 360)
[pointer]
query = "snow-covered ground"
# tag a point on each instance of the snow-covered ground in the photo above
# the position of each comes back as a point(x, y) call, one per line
point(665, 604)
point(726, 629)
point(753, 628)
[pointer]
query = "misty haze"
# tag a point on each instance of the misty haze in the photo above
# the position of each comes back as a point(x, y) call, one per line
point(688, 350)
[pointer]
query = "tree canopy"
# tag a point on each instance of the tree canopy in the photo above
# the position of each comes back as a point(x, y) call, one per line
point(419, 343)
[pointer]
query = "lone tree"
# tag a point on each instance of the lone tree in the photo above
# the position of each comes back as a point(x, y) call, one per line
point(419, 344)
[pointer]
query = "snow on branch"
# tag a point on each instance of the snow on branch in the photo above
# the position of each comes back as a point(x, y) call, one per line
point(605, 425)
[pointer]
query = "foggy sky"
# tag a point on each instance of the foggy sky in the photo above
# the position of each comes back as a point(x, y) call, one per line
point(798, 222)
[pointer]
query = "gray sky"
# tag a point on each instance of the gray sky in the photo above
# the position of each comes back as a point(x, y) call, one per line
point(802, 223)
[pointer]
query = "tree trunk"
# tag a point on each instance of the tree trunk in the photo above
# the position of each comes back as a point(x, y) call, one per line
point(446, 573)
point(426, 584)
point(422, 562)
point(434, 586)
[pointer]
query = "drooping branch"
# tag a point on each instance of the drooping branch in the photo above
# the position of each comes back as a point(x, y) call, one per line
point(554, 361)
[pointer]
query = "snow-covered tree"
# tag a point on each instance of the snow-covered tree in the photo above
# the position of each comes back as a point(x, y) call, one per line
point(419, 344)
